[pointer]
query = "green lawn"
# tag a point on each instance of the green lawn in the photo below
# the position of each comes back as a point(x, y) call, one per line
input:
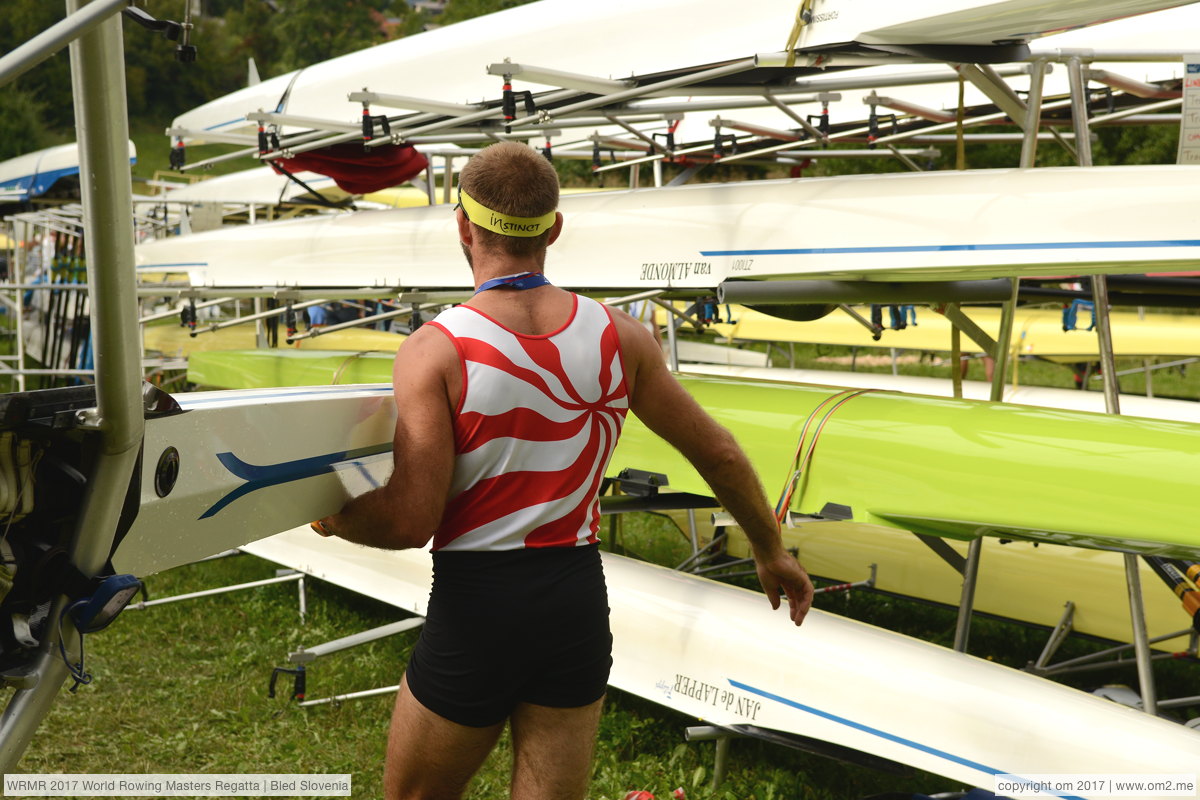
point(182, 688)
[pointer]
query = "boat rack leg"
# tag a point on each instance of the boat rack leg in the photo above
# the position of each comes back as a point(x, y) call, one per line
point(720, 571)
point(958, 319)
point(693, 532)
point(706, 733)
point(706, 553)
point(962, 629)
point(1180, 702)
point(1141, 644)
point(944, 551)
point(845, 587)
point(281, 576)
point(306, 655)
point(1057, 637)
point(337, 698)
point(876, 331)
point(1094, 661)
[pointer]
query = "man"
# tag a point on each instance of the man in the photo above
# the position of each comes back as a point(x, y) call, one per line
point(508, 408)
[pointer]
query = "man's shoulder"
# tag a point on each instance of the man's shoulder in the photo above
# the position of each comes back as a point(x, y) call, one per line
point(428, 341)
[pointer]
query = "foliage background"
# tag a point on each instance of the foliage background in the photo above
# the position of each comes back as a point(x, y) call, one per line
point(280, 35)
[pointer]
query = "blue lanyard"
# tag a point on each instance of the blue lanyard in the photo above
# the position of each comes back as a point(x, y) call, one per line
point(522, 280)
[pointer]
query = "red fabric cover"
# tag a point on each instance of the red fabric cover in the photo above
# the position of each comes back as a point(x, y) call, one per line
point(360, 170)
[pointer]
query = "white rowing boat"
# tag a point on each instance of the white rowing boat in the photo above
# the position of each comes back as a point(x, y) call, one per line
point(893, 227)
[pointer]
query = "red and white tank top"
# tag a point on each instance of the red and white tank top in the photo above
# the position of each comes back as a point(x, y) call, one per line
point(534, 429)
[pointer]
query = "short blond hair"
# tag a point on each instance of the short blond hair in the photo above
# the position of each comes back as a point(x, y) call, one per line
point(515, 180)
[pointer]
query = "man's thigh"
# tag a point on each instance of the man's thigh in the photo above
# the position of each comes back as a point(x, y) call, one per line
point(552, 751)
point(428, 756)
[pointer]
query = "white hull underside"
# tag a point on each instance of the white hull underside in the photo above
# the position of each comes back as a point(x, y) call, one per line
point(720, 654)
point(928, 226)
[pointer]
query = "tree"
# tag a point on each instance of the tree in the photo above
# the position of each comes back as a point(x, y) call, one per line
point(311, 31)
point(459, 10)
point(23, 127)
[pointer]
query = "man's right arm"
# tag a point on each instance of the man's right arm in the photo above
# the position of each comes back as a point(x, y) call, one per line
point(666, 408)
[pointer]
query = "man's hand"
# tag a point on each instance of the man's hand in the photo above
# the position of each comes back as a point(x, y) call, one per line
point(781, 571)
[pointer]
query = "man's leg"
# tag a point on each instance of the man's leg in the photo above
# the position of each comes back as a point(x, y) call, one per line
point(428, 756)
point(552, 751)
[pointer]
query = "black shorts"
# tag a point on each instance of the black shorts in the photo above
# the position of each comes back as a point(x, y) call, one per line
point(517, 626)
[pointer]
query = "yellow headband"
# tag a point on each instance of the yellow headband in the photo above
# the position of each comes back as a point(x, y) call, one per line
point(504, 224)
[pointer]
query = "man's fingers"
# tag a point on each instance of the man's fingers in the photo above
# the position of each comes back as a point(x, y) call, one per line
point(800, 599)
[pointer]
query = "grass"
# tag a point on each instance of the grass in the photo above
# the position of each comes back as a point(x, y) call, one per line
point(182, 688)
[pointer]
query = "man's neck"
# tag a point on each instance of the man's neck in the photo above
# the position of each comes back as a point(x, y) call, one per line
point(485, 269)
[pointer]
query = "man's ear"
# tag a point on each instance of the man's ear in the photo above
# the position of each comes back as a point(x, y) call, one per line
point(557, 229)
point(465, 234)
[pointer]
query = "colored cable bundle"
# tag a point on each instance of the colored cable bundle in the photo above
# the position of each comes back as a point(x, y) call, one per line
point(803, 457)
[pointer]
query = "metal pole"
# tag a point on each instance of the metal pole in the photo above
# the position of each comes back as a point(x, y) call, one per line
point(175, 311)
point(1141, 642)
point(1108, 362)
point(270, 312)
point(672, 344)
point(721, 762)
point(693, 533)
point(956, 362)
point(102, 130)
point(1133, 582)
point(142, 606)
point(357, 323)
point(1079, 112)
point(337, 698)
point(1004, 344)
point(260, 327)
point(1033, 115)
point(430, 188)
point(20, 256)
point(306, 655)
point(962, 629)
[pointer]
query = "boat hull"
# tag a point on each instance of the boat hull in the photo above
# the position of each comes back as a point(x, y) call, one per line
point(719, 654)
point(927, 226)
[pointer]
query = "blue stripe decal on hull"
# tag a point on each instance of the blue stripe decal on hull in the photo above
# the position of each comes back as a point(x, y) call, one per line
point(966, 762)
point(950, 248)
point(260, 477)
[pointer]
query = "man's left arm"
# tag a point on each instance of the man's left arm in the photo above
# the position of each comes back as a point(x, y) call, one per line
point(406, 510)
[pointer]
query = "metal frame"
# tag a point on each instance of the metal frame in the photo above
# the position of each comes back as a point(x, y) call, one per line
point(305, 656)
point(98, 79)
point(281, 576)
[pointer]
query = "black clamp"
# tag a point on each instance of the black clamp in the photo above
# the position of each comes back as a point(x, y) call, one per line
point(299, 682)
point(719, 140)
point(509, 103)
point(669, 141)
point(289, 320)
point(369, 122)
point(180, 32)
point(187, 316)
